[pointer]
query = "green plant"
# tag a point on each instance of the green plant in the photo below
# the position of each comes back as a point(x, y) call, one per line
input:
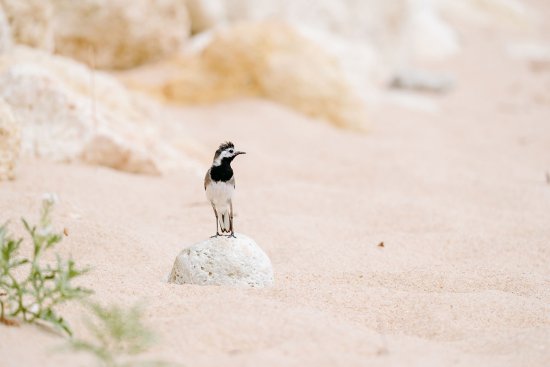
point(30, 289)
point(117, 336)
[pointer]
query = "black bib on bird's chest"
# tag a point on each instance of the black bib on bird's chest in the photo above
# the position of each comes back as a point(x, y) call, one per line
point(223, 172)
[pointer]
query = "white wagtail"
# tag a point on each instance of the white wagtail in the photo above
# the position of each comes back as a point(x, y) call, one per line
point(219, 184)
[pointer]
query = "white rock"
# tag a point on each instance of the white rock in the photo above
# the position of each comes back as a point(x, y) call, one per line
point(6, 40)
point(223, 261)
point(68, 113)
point(119, 34)
point(109, 34)
point(10, 140)
point(423, 81)
point(31, 22)
point(429, 36)
point(270, 60)
point(206, 14)
point(394, 28)
point(361, 34)
point(370, 39)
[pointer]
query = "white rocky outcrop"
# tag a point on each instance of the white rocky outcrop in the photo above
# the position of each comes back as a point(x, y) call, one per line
point(325, 59)
point(68, 113)
point(10, 140)
point(223, 261)
point(271, 60)
point(373, 37)
point(119, 34)
point(206, 14)
point(6, 41)
point(31, 22)
point(108, 34)
point(427, 35)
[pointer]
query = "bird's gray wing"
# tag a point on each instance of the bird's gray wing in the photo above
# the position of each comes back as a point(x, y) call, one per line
point(207, 178)
point(232, 181)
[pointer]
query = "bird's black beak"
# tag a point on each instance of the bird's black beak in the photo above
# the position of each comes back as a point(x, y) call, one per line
point(237, 153)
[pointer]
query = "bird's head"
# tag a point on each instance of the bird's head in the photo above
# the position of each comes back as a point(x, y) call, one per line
point(225, 153)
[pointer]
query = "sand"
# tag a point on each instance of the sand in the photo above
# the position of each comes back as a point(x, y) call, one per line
point(458, 197)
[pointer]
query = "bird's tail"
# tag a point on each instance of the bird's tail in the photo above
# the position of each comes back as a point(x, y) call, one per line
point(224, 221)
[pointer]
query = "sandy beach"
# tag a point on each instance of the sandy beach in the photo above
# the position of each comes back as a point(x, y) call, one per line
point(458, 197)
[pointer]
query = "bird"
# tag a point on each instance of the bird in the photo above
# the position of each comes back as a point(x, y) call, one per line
point(219, 184)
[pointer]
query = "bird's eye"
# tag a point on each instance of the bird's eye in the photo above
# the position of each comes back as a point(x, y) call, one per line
point(230, 150)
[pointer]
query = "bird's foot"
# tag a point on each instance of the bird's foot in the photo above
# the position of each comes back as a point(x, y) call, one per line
point(231, 235)
point(216, 235)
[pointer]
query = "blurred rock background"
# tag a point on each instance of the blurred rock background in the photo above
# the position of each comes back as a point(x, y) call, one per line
point(86, 80)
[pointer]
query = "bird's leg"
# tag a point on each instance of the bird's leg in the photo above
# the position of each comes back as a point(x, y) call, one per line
point(231, 220)
point(216, 214)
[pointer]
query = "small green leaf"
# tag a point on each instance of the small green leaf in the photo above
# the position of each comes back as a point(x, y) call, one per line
point(28, 227)
point(35, 283)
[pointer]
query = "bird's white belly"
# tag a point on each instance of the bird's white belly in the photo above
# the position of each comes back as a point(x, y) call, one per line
point(219, 193)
